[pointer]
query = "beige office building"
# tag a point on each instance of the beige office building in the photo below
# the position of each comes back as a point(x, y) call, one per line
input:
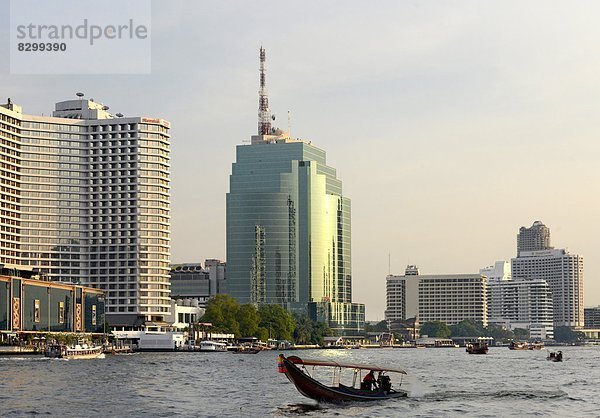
point(449, 298)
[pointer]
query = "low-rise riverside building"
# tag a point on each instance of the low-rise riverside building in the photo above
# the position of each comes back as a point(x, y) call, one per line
point(183, 313)
point(592, 317)
point(29, 305)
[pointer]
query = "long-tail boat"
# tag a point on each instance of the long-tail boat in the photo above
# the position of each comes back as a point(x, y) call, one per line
point(298, 371)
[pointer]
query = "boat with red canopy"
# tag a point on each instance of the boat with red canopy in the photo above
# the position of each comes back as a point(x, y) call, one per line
point(376, 384)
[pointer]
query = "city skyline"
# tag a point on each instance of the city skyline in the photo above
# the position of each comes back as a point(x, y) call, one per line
point(450, 125)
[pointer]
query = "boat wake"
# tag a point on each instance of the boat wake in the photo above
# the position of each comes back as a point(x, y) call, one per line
point(501, 394)
point(299, 409)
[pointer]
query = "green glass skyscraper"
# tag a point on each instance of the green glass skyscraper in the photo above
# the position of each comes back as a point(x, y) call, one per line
point(288, 228)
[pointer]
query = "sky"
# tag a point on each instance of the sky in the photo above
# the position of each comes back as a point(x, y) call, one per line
point(450, 123)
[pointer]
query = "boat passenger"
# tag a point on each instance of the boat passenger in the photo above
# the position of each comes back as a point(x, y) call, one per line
point(368, 381)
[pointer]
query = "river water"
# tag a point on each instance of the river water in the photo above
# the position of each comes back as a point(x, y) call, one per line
point(441, 382)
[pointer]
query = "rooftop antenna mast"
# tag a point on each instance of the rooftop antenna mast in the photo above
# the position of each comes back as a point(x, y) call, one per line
point(264, 116)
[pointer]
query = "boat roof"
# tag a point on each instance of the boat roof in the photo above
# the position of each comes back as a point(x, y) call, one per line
point(309, 362)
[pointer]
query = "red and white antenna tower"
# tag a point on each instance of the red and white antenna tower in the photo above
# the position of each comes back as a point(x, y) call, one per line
point(264, 115)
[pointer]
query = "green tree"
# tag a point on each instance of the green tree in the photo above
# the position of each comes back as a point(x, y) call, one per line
point(248, 320)
point(222, 312)
point(437, 329)
point(521, 334)
point(278, 321)
point(568, 335)
point(381, 326)
point(499, 333)
point(262, 334)
point(320, 330)
point(467, 328)
point(303, 329)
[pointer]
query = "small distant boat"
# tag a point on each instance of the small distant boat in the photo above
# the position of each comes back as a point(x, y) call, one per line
point(536, 346)
point(556, 357)
point(518, 345)
point(477, 348)
point(78, 352)
point(380, 388)
point(212, 346)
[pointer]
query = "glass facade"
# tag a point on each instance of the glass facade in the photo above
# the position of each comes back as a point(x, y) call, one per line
point(288, 230)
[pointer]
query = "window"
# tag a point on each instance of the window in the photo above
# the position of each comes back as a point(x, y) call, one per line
point(36, 311)
point(61, 312)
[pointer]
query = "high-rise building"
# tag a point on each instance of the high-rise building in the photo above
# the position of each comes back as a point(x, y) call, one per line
point(523, 304)
point(534, 238)
point(402, 295)
point(449, 298)
point(563, 271)
point(86, 200)
point(452, 298)
point(288, 228)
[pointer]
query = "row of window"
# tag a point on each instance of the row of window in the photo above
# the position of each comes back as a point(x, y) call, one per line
point(54, 127)
point(54, 173)
point(55, 142)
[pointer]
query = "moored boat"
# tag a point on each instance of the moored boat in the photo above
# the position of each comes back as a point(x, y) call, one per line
point(78, 352)
point(212, 346)
point(371, 388)
point(477, 348)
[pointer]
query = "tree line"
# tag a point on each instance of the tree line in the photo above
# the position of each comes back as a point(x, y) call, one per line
point(470, 328)
point(265, 321)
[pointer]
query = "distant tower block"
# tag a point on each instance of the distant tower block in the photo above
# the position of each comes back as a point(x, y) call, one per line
point(534, 238)
point(264, 115)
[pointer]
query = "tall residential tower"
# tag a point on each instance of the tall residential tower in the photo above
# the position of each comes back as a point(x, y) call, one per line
point(562, 271)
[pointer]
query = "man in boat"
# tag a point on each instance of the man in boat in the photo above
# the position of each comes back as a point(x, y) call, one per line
point(369, 381)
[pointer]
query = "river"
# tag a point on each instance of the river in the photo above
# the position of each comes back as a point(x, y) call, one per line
point(441, 382)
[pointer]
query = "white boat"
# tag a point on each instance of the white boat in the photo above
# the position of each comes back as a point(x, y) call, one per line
point(74, 353)
point(212, 346)
point(151, 339)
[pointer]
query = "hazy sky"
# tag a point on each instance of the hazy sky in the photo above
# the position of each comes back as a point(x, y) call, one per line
point(451, 123)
